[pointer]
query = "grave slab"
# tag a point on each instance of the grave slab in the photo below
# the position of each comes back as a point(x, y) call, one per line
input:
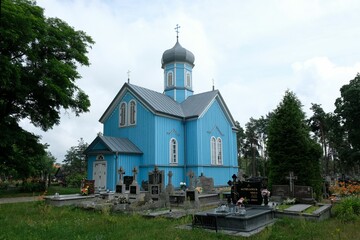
point(298, 208)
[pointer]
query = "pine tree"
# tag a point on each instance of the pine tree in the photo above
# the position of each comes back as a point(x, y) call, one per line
point(290, 146)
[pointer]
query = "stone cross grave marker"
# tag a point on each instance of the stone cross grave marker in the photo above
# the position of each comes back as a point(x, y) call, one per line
point(191, 179)
point(291, 179)
point(170, 187)
point(135, 172)
point(121, 175)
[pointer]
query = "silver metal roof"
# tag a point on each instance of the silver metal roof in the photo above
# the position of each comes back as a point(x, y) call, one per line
point(114, 145)
point(177, 54)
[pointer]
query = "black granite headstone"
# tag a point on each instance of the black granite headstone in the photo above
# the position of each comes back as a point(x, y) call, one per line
point(251, 191)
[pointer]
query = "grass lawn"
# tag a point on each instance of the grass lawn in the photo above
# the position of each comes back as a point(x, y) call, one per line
point(36, 220)
point(15, 192)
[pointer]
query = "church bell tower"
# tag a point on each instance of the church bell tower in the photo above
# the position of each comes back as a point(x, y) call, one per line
point(178, 63)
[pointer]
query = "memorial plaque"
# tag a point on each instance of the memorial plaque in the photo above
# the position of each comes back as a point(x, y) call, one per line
point(155, 190)
point(251, 191)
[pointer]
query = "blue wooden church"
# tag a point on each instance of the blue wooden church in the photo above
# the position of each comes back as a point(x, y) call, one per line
point(176, 130)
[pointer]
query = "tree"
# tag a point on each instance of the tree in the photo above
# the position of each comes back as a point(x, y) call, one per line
point(39, 59)
point(319, 124)
point(348, 111)
point(75, 164)
point(290, 146)
point(240, 138)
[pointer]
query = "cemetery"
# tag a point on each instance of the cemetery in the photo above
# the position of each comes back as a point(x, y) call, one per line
point(245, 206)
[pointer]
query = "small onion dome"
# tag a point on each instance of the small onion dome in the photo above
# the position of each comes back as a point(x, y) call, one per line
point(177, 54)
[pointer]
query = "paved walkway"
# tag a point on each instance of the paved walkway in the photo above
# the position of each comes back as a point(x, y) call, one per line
point(19, 199)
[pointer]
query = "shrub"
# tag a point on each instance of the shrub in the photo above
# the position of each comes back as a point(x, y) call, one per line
point(33, 186)
point(348, 209)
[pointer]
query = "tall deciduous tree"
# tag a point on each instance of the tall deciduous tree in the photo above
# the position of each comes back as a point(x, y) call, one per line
point(348, 110)
point(39, 59)
point(290, 146)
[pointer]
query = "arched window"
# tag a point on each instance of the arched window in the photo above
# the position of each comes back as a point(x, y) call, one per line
point(188, 79)
point(132, 112)
point(213, 150)
point(173, 151)
point(122, 116)
point(216, 151)
point(219, 152)
point(170, 81)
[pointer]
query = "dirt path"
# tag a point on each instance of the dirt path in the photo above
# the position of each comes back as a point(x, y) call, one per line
point(19, 199)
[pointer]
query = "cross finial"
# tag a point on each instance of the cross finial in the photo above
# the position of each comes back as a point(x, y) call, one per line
point(128, 73)
point(177, 31)
point(213, 84)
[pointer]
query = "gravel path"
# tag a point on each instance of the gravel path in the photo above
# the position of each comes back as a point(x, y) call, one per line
point(19, 199)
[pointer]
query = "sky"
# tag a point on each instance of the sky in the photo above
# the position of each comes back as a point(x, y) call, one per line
point(253, 51)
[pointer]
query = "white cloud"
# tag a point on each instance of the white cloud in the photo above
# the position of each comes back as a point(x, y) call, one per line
point(254, 50)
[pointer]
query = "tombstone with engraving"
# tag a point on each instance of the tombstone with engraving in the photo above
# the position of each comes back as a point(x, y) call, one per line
point(251, 191)
point(156, 181)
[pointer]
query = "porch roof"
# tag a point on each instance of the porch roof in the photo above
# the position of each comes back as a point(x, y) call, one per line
point(102, 144)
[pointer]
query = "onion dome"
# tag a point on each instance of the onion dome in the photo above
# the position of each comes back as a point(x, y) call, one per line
point(177, 54)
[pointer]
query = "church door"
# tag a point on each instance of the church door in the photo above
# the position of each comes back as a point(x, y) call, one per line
point(99, 174)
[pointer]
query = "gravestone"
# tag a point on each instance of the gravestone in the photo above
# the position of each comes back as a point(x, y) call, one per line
point(291, 179)
point(120, 186)
point(134, 187)
point(170, 187)
point(156, 181)
point(191, 193)
point(304, 194)
point(127, 181)
point(251, 191)
point(207, 184)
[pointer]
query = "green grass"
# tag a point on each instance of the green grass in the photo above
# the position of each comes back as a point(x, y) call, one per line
point(15, 192)
point(37, 220)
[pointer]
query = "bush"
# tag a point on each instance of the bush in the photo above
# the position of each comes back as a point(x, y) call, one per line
point(33, 186)
point(348, 209)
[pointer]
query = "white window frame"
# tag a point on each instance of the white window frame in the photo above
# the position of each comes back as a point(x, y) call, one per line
point(122, 114)
point(188, 79)
point(219, 151)
point(168, 83)
point(132, 112)
point(213, 150)
point(173, 147)
point(216, 151)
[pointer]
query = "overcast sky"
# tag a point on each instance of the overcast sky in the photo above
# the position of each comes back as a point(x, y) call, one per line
point(254, 51)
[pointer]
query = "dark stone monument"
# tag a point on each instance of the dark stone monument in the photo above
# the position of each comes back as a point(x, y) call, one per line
point(156, 182)
point(251, 191)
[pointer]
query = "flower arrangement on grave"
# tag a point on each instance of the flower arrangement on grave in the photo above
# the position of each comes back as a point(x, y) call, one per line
point(241, 202)
point(182, 185)
point(199, 189)
point(346, 189)
point(85, 190)
point(289, 201)
point(123, 200)
point(265, 196)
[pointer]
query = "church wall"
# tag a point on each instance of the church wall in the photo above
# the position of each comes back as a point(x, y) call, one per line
point(214, 123)
point(166, 129)
point(141, 134)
